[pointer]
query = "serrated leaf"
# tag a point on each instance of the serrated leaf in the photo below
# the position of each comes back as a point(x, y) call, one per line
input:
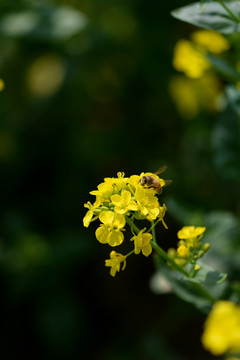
point(214, 16)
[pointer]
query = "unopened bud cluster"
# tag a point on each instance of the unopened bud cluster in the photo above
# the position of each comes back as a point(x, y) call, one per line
point(190, 248)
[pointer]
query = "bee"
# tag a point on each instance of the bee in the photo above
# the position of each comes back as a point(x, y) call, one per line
point(153, 181)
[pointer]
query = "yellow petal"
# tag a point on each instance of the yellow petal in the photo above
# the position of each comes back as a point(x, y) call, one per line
point(116, 199)
point(106, 217)
point(115, 238)
point(146, 250)
point(119, 221)
point(87, 218)
point(102, 234)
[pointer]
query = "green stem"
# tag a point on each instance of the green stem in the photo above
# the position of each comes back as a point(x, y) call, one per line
point(132, 225)
point(229, 11)
point(154, 234)
point(204, 292)
point(130, 253)
point(153, 225)
point(165, 256)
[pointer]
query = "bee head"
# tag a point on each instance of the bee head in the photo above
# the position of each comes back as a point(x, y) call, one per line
point(143, 180)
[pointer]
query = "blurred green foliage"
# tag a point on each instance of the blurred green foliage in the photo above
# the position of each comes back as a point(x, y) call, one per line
point(86, 95)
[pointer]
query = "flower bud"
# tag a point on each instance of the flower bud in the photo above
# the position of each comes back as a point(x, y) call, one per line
point(206, 247)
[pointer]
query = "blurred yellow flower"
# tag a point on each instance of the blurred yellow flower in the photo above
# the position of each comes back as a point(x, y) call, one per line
point(210, 40)
point(188, 59)
point(114, 262)
point(194, 95)
point(222, 328)
point(46, 74)
point(183, 251)
point(142, 243)
point(2, 85)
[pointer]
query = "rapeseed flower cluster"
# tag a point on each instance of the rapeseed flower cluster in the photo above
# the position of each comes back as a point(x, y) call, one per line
point(199, 88)
point(123, 200)
point(190, 57)
point(222, 329)
point(191, 96)
point(190, 247)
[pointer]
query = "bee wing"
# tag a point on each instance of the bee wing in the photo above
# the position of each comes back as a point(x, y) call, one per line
point(160, 170)
point(167, 182)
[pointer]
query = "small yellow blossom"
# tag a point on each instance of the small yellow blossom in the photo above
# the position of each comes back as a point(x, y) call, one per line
point(123, 202)
point(147, 202)
point(118, 183)
point(104, 191)
point(2, 85)
point(142, 243)
point(210, 40)
point(190, 232)
point(222, 328)
point(134, 181)
point(191, 96)
point(162, 212)
point(183, 251)
point(188, 59)
point(89, 215)
point(114, 262)
point(110, 231)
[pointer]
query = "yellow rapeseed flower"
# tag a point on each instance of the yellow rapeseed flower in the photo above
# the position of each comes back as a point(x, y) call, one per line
point(147, 202)
point(123, 202)
point(104, 191)
point(114, 262)
point(110, 231)
point(222, 328)
point(190, 60)
point(210, 40)
point(190, 232)
point(162, 212)
point(89, 215)
point(183, 251)
point(142, 243)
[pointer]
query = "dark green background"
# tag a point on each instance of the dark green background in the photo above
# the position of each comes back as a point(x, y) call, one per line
point(113, 112)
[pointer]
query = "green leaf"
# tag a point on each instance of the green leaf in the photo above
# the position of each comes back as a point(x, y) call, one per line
point(213, 16)
point(186, 290)
point(226, 70)
point(233, 96)
point(226, 145)
point(233, 355)
point(200, 290)
point(46, 22)
point(207, 275)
